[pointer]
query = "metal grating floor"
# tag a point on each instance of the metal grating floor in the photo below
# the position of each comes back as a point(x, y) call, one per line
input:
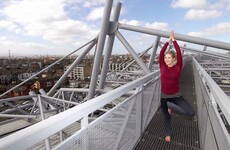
point(185, 134)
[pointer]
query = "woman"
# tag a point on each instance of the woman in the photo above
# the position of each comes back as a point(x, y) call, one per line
point(170, 67)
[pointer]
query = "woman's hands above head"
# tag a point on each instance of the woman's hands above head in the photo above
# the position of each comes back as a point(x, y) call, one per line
point(171, 36)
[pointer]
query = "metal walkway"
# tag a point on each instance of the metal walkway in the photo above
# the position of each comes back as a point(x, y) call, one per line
point(185, 134)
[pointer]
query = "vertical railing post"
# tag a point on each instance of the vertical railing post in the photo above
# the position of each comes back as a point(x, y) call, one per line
point(43, 118)
point(84, 124)
point(139, 103)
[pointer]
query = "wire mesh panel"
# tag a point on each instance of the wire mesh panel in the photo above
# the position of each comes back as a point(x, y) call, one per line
point(120, 127)
point(151, 102)
point(78, 144)
point(104, 134)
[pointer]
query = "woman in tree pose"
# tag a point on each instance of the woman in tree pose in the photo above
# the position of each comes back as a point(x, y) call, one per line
point(171, 99)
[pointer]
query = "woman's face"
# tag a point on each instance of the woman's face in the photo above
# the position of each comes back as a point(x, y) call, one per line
point(169, 60)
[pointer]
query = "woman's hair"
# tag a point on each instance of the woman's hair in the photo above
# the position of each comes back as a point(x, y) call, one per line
point(171, 52)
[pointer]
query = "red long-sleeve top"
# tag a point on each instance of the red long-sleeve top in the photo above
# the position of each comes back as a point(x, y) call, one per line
point(170, 75)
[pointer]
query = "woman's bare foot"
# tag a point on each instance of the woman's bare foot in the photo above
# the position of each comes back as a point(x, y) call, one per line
point(170, 111)
point(168, 138)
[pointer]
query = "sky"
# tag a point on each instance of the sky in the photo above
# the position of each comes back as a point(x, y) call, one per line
point(58, 27)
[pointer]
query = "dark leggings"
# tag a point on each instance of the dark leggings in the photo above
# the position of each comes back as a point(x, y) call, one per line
point(179, 105)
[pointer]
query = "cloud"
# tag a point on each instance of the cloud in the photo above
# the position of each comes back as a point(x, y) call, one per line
point(45, 19)
point(158, 26)
point(93, 3)
point(8, 25)
point(220, 28)
point(22, 47)
point(200, 14)
point(44, 27)
point(2, 38)
point(218, 5)
point(131, 22)
point(154, 25)
point(189, 3)
point(26, 11)
point(229, 6)
point(199, 34)
point(95, 14)
point(221, 4)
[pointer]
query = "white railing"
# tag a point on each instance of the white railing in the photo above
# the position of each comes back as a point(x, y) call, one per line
point(210, 101)
point(118, 128)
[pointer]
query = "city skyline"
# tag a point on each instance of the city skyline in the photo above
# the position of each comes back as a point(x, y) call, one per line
point(58, 27)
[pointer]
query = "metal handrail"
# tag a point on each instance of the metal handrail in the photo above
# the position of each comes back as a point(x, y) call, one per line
point(54, 124)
